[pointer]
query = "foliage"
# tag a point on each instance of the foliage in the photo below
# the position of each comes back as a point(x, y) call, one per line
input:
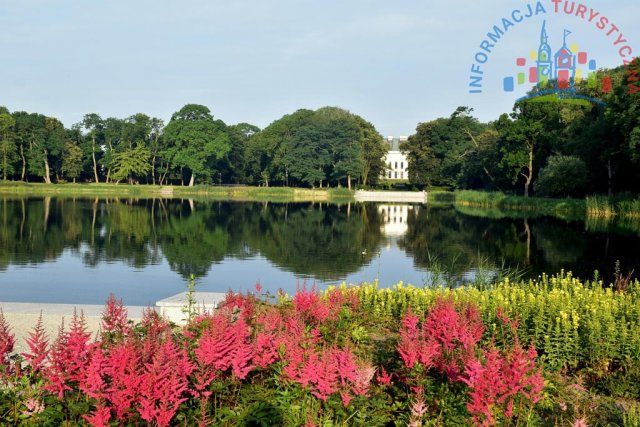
point(563, 176)
point(195, 140)
point(71, 160)
point(131, 163)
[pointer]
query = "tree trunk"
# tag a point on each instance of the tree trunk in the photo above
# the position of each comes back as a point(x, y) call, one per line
point(349, 182)
point(610, 175)
point(24, 164)
point(47, 178)
point(93, 155)
point(529, 176)
point(153, 170)
point(192, 181)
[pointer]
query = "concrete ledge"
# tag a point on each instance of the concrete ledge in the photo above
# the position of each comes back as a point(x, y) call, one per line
point(391, 196)
point(172, 307)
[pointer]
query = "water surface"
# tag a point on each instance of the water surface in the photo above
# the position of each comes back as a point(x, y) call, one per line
point(80, 250)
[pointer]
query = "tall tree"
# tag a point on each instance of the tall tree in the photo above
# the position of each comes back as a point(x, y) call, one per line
point(94, 125)
point(131, 163)
point(71, 160)
point(8, 150)
point(195, 140)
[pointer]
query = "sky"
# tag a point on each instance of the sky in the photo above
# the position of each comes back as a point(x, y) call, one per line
point(395, 63)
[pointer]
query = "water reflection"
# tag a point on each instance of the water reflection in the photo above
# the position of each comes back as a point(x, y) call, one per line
point(230, 244)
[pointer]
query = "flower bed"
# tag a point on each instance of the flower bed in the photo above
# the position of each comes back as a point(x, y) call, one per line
point(347, 356)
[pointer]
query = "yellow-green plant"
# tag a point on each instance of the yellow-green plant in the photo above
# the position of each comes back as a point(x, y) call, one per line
point(573, 324)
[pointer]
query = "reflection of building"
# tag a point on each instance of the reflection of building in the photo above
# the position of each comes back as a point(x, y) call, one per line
point(397, 165)
point(394, 219)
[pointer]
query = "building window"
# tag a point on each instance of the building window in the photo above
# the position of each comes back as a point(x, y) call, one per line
point(401, 165)
point(396, 175)
point(401, 175)
point(389, 175)
point(396, 165)
point(389, 165)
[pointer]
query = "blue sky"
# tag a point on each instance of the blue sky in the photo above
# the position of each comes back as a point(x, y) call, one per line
point(396, 63)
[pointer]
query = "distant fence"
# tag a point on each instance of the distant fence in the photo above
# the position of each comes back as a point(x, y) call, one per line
point(391, 196)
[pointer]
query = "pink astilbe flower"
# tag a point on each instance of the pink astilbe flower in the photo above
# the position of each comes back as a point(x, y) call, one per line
point(501, 379)
point(307, 302)
point(360, 386)
point(123, 369)
point(383, 377)
point(69, 357)
point(320, 374)
point(100, 416)
point(37, 343)
point(164, 384)
point(93, 383)
point(245, 304)
point(114, 317)
point(418, 409)
point(55, 372)
point(226, 345)
point(7, 341)
point(446, 340)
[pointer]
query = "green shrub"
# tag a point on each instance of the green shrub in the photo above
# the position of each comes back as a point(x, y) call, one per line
point(563, 176)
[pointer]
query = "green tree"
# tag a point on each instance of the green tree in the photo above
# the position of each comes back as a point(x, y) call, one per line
point(424, 168)
point(374, 149)
point(7, 146)
point(195, 140)
point(131, 163)
point(72, 160)
point(94, 125)
point(562, 176)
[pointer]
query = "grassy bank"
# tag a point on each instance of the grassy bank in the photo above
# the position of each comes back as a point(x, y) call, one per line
point(500, 204)
point(243, 193)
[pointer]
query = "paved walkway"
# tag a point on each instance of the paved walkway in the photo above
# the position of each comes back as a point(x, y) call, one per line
point(22, 317)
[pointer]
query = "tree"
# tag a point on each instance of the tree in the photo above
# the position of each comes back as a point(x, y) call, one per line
point(423, 167)
point(195, 139)
point(562, 176)
point(72, 160)
point(131, 163)
point(373, 152)
point(235, 165)
point(7, 146)
point(94, 125)
point(439, 148)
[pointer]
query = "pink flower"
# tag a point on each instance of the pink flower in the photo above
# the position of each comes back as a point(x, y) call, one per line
point(37, 343)
point(99, 417)
point(383, 377)
point(7, 341)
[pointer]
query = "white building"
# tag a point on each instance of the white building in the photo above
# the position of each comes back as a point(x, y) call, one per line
point(397, 164)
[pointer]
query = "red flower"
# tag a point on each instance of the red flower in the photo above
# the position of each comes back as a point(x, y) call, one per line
point(37, 343)
point(7, 341)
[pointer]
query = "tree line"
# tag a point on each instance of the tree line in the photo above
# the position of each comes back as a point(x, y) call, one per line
point(552, 149)
point(329, 146)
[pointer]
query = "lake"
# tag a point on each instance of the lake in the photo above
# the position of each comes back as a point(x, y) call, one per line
point(62, 250)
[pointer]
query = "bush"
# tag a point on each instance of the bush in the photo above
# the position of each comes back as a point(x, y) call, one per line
point(563, 176)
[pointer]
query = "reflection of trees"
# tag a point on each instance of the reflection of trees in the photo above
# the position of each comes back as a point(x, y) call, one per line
point(445, 235)
point(325, 242)
point(319, 241)
point(30, 232)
